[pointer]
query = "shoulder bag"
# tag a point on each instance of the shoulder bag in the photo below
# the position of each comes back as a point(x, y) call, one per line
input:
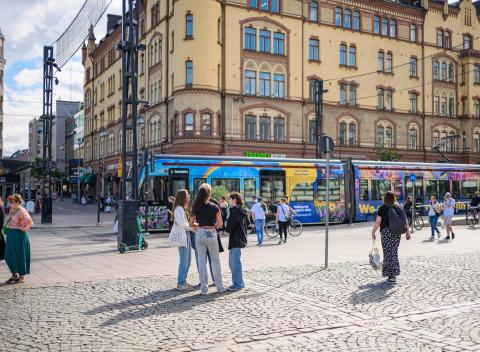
point(177, 236)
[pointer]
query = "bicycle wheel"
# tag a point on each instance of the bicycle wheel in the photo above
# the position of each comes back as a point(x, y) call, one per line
point(418, 223)
point(471, 219)
point(271, 229)
point(295, 228)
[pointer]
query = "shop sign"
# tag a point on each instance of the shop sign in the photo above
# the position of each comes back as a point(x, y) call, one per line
point(264, 155)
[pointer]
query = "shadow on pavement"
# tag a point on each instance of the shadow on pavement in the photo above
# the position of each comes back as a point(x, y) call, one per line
point(372, 293)
point(83, 254)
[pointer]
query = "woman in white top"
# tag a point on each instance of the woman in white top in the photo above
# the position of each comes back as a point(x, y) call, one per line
point(448, 210)
point(180, 219)
point(282, 216)
point(433, 214)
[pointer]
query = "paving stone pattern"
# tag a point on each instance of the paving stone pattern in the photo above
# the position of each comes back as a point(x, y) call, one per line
point(434, 307)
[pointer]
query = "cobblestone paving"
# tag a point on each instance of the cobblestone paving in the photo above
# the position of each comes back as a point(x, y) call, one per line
point(434, 307)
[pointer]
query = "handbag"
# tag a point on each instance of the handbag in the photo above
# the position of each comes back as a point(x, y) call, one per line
point(177, 236)
point(374, 257)
point(220, 246)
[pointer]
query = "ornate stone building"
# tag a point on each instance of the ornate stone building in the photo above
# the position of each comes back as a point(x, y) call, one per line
point(2, 68)
point(235, 76)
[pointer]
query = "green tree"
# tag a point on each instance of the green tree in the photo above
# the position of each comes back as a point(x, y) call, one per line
point(219, 191)
point(38, 171)
point(387, 154)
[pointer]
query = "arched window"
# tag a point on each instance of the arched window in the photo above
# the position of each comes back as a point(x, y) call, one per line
point(356, 21)
point(452, 142)
point(313, 11)
point(188, 124)
point(347, 132)
point(206, 124)
point(476, 142)
point(413, 137)
point(447, 40)
point(440, 38)
point(436, 138)
point(384, 135)
point(338, 17)
point(347, 21)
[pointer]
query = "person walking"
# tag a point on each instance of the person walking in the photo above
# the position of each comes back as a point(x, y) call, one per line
point(237, 228)
point(207, 218)
point(17, 247)
point(222, 203)
point(448, 210)
point(282, 218)
point(258, 216)
point(433, 215)
point(390, 242)
point(180, 220)
point(408, 209)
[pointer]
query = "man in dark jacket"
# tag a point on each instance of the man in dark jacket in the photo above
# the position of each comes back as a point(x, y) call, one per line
point(237, 228)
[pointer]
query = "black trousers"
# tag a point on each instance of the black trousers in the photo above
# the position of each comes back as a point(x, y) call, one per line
point(282, 228)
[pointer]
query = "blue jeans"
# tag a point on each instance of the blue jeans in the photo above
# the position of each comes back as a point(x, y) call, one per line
point(192, 240)
point(184, 262)
point(236, 267)
point(259, 225)
point(433, 224)
point(207, 240)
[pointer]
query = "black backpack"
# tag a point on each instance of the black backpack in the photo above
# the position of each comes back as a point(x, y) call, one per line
point(397, 220)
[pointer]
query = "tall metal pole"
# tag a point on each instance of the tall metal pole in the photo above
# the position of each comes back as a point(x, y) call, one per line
point(318, 115)
point(327, 218)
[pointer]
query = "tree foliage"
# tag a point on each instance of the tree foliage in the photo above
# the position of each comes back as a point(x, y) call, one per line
point(387, 154)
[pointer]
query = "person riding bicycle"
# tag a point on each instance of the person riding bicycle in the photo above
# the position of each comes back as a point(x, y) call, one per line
point(408, 209)
point(475, 202)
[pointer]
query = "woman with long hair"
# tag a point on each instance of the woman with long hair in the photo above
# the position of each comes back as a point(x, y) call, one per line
point(390, 242)
point(180, 218)
point(206, 218)
point(433, 215)
point(17, 248)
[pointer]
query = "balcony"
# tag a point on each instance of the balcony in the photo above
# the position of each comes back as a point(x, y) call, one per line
point(466, 53)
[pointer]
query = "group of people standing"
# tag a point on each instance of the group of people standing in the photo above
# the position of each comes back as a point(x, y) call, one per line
point(15, 249)
point(201, 222)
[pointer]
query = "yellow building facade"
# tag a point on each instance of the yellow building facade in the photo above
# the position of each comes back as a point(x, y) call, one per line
point(235, 77)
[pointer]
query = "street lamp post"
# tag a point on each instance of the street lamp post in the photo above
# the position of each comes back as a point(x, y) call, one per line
point(62, 148)
point(103, 134)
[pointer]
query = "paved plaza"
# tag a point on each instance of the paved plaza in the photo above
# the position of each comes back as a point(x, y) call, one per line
point(84, 296)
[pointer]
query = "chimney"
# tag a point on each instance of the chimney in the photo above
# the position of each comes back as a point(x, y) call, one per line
point(112, 21)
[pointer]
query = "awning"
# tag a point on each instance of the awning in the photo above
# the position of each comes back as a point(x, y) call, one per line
point(89, 179)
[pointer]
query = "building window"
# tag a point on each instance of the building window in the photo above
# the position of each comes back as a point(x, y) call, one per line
point(338, 17)
point(264, 5)
point(436, 105)
point(389, 66)
point(352, 134)
point(343, 133)
point(384, 26)
point(376, 24)
point(451, 73)
point(436, 138)
point(265, 128)
point(381, 61)
point(188, 124)
point(476, 142)
point(448, 43)
point(452, 142)
point(476, 74)
point(413, 33)
point(250, 78)
point(443, 106)
point(343, 54)
point(413, 67)
point(388, 100)
point(278, 85)
point(278, 43)
point(264, 41)
point(250, 127)
point(253, 4)
point(439, 38)
point(275, 6)
point(384, 136)
point(347, 21)
point(343, 94)
point(206, 124)
point(279, 129)
point(436, 70)
point(463, 74)
point(476, 106)
point(311, 88)
point(444, 71)
point(352, 96)
point(313, 50)
point(356, 21)
point(412, 138)
point(413, 103)
point(467, 42)
point(313, 11)
point(250, 39)
point(451, 107)
point(264, 84)
point(393, 28)
point(189, 73)
point(189, 26)
point(380, 99)
point(312, 131)
point(352, 56)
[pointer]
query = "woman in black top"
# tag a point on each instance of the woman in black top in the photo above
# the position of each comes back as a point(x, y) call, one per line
point(390, 242)
point(206, 219)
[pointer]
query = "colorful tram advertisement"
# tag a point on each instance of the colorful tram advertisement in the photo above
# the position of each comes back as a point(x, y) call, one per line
point(302, 181)
point(372, 179)
point(356, 187)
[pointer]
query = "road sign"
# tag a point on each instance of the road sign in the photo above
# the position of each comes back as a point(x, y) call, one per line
point(413, 177)
point(326, 144)
point(119, 170)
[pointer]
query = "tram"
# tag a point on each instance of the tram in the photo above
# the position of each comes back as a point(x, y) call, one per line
point(356, 187)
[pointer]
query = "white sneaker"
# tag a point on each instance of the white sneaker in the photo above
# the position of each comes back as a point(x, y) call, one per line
point(185, 287)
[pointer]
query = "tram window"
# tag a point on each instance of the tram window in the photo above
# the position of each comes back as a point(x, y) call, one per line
point(418, 188)
point(197, 182)
point(249, 188)
point(302, 192)
point(230, 184)
point(177, 185)
point(468, 189)
point(363, 189)
point(336, 190)
point(431, 187)
point(398, 189)
point(443, 187)
point(455, 189)
point(379, 187)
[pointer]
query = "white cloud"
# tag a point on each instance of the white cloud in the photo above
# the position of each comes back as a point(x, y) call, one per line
point(28, 77)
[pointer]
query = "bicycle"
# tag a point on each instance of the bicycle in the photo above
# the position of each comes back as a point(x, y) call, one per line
point(472, 216)
point(418, 222)
point(295, 228)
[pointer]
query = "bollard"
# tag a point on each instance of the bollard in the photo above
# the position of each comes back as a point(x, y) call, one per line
point(98, 213)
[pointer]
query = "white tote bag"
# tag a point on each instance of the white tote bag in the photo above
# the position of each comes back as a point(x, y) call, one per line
point(177, 236)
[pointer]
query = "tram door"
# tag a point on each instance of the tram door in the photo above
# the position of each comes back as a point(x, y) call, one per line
point(177, 179)
point(272, 185)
